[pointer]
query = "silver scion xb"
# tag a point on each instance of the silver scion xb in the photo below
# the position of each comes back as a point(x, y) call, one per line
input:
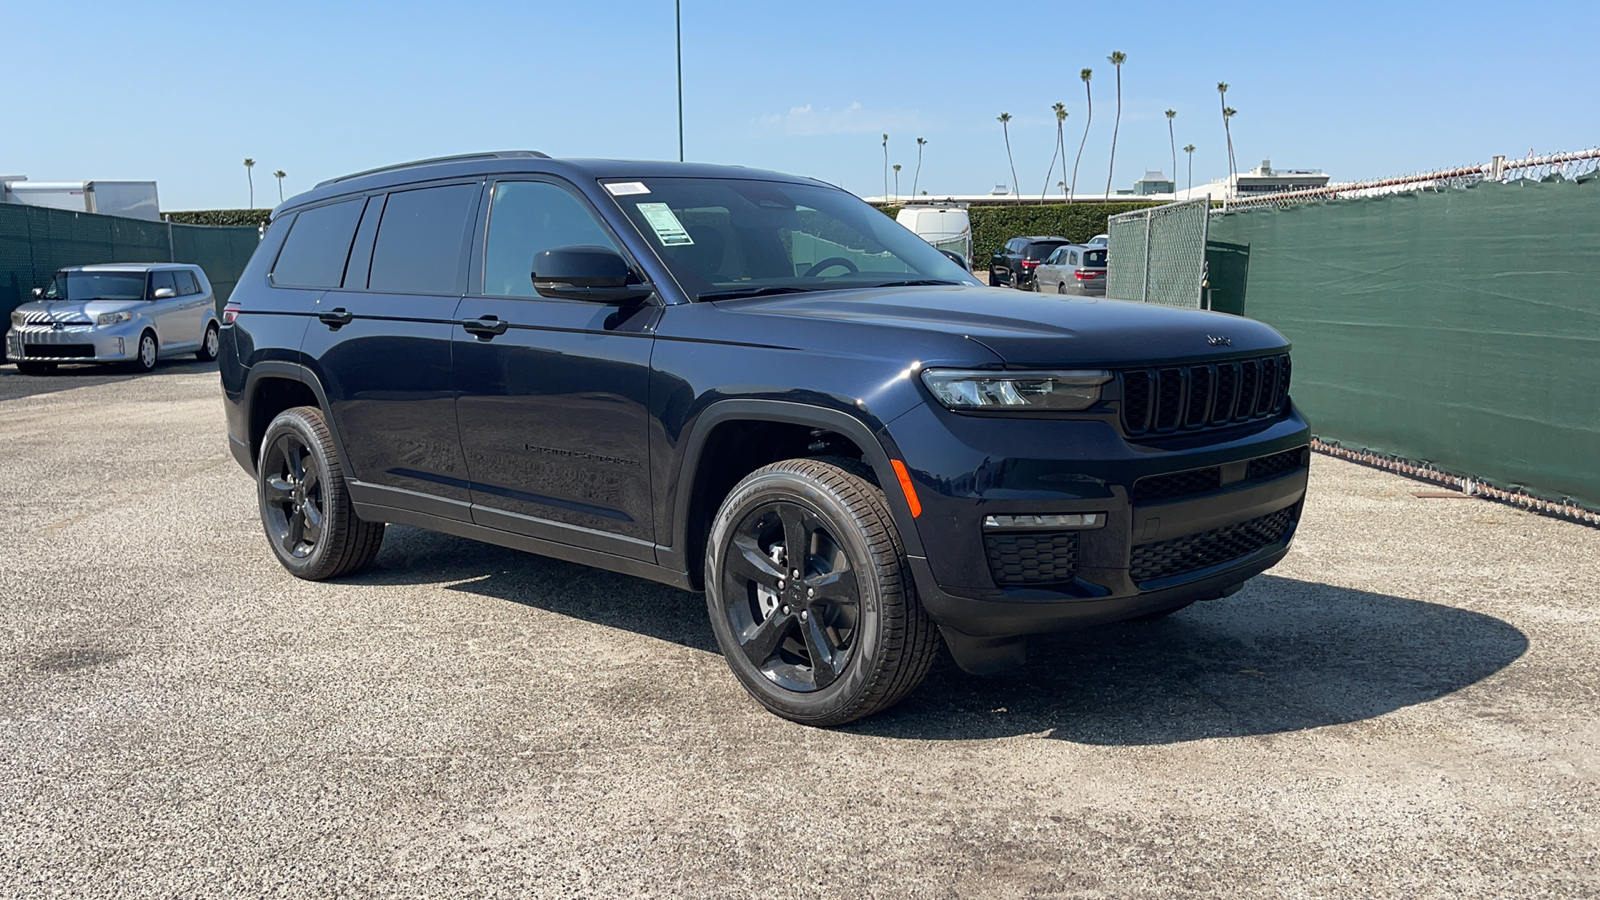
point(125, 312)
point(1073, 269)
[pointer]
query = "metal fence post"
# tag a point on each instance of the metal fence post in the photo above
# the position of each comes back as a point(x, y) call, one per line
point(1149, 220)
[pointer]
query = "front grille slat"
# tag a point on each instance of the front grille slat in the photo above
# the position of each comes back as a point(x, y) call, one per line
point(1194, 552)
point(1018, 559)
point(1201, 396)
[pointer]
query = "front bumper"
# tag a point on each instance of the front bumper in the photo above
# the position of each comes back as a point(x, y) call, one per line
point(1155, 551)
point(73, 344)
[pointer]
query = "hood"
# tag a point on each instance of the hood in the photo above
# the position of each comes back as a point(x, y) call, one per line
point(1027, 329)
point(44, 312)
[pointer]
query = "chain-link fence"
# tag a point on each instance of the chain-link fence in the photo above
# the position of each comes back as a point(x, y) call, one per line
point(35, 241)
point(1158, 255)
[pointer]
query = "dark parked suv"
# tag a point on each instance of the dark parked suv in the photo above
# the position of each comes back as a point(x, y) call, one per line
point(759, 387)
point(1014, 263)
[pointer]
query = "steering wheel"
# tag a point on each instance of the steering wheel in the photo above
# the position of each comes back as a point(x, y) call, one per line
point(832, 261)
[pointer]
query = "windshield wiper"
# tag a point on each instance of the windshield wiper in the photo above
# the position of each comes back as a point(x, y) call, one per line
point(915, 282)
point(753, 292)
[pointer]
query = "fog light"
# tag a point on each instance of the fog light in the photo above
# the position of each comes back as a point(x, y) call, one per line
point(1063, 520)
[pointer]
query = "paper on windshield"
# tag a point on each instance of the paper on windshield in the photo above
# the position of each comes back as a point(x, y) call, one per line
point(624, 188)
point(668, 229)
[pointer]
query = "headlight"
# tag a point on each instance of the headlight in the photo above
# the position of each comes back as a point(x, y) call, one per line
point(113, 318)
point(1016, 391)
point(18, 319)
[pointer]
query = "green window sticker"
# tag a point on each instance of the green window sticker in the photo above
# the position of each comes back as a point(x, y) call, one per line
point(666, 225)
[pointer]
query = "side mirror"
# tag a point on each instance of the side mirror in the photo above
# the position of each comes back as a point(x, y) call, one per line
point(956, 258)
point(592, 273)
point(165, 293)
point(38, 292)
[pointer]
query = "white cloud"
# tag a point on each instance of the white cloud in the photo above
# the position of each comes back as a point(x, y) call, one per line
point(811, 121)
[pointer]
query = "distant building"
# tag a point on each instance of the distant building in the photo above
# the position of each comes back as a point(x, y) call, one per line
point(1153, 182)
point(1264, 179)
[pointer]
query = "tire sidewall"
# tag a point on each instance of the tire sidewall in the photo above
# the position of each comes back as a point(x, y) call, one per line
point(155, 353)
point(845, 691)
point(212, 333)
point(296, 421)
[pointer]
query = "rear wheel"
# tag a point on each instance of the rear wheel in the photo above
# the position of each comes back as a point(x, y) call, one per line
point(809, 595)
point(1061, 287)
point(209, 344)
point(36, 368)
point(310, 522)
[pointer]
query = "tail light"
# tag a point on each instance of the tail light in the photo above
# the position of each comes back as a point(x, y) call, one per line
point(1029, 263)
point(230, 313)
point(1082, 275)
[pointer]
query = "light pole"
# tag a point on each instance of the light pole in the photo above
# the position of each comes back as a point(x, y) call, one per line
point(677, 6)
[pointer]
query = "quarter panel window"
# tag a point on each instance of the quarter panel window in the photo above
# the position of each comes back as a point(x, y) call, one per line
point(314, 253)
point(527, 217)
point(419, 240)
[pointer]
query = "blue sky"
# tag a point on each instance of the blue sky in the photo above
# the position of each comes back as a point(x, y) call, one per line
point(182, 92)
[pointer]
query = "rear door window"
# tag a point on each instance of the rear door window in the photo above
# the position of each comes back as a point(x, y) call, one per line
point(186, 283)
point(314, 253)
point(419, 247)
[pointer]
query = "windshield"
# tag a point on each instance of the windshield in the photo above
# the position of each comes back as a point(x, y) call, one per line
point(724, 237)
point(96, 286)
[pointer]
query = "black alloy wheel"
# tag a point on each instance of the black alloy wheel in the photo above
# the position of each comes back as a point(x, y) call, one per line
point(306, 512)
point(809, 595)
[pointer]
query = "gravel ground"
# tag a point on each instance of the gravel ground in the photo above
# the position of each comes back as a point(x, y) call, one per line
point(1406, 706)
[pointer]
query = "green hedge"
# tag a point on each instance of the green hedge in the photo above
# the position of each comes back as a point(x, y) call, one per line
point(992, 226)
point(251, 217)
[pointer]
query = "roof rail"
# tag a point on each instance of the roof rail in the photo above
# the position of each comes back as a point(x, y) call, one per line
point(465, 157)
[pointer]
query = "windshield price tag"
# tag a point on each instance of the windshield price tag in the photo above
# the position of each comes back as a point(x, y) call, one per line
point(624, 188)
point(666, 225)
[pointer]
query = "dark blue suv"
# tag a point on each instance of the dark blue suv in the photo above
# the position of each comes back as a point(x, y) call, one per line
point(759, 387)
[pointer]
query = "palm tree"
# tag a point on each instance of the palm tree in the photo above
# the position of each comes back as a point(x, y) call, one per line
point(248, 165)
point(1061, 117)
point(897, 182)
point(1189, 149)
point(1117, 58)
point(1172, 114)
point(886, 165)
point(1228, 113)
point(1005, 125)
point(1222, 99)
point(1086, 74)
point(921, 142)
point(280, 175)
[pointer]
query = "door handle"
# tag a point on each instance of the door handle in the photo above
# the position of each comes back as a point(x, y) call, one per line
point(336, 318)
point(485, 327)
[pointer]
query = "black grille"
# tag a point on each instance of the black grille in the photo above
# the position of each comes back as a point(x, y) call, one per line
point(1156, 488)
point(1208, 548)
point(1204, 395)
point(1277, 464)
point(1028, 558)
point(58, 351)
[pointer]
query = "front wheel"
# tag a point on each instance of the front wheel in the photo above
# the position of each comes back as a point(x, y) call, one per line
point(145, 359)
point(305, 504)
point(810, 597)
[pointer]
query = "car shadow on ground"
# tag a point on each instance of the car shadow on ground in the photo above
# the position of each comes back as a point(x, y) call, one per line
point(1281, 655)
point(14, 385)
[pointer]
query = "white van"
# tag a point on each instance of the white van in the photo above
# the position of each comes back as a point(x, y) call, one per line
point(945, 226)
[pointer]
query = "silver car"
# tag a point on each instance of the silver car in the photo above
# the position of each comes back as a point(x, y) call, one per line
point(1073, 269)
point(127, 312)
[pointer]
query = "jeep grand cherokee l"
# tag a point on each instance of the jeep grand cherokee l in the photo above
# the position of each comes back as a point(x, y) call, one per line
point(755, 386)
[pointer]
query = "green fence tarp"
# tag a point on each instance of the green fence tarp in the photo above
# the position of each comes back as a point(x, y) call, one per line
point(36, 241)
point(1460, 327)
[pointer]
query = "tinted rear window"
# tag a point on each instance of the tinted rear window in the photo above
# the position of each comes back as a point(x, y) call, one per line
point(419, 240)
point(319, 241)
point(1042, 249)
point(1094, 258)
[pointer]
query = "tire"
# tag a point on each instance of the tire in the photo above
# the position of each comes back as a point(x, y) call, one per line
point(812, 650)
point(1061, 287)
point(305, 505)
point(36, 368)
point(148, 351)
point(209, 344)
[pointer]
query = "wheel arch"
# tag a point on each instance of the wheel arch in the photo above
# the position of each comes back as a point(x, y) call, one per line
point(273, 386)
point(694, 503)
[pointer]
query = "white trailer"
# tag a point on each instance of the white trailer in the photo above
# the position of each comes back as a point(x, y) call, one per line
point(134, 199)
